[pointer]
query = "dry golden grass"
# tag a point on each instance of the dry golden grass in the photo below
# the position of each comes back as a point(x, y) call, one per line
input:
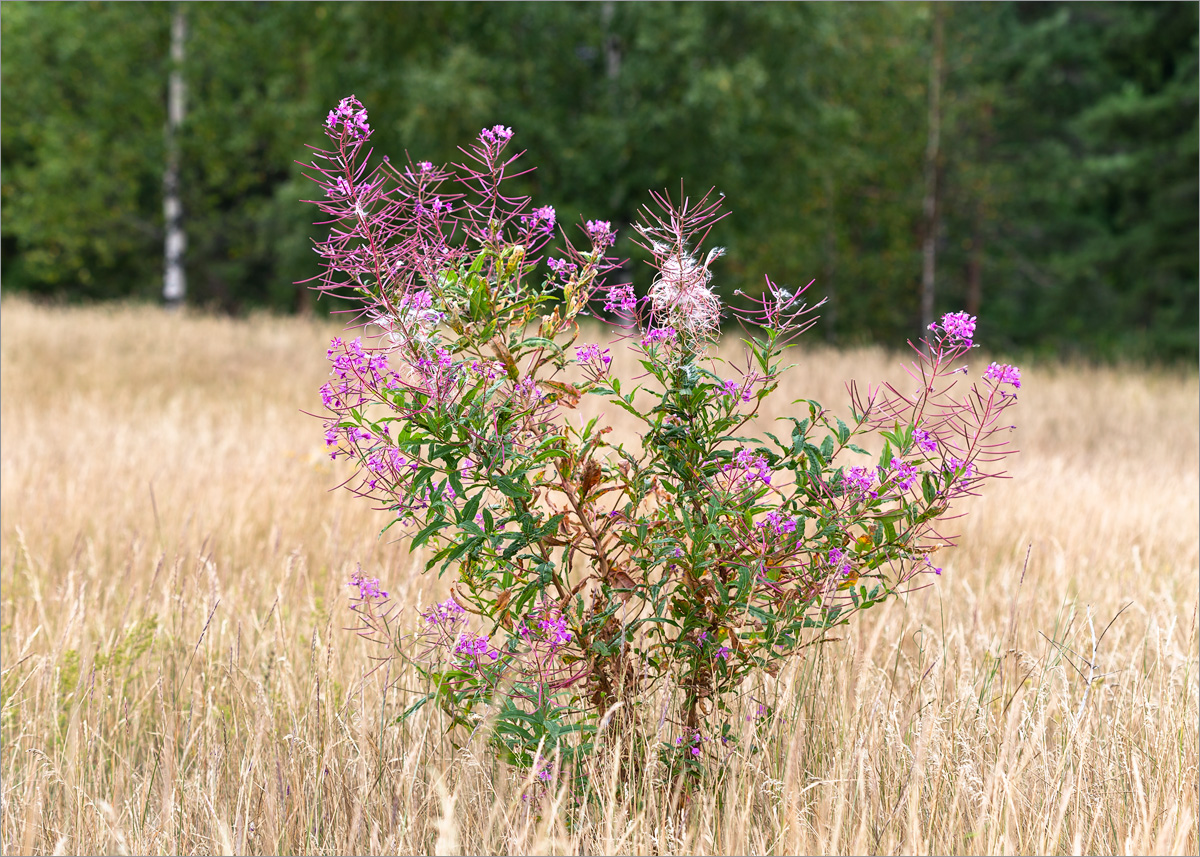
point(175, 676)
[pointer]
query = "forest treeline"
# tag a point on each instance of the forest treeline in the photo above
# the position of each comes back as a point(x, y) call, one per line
point(1063, 174)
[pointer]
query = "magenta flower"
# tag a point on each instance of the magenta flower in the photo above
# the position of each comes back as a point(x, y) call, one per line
point(904, 473)
point(496, 135)
point(1002, 373)
point(858, 479)
point(550, 628)
point(841, 561)
point(476, 646)
point(778, 524)
point(489, 370)
point(555, 631)
point(340, 188)
point(352, 117)
point(955, 465)
point(528, 389)
point(562, 268)
point(656, 335)
point(957, 326)
point(418, 300)
point(540, 220)
point(925, 440)
point(750, 467)
point(368, 587)
point(447, 612)
point(436, 208)
point(621, 299)
point(733, 389)
point(591, 352)
point(601, 233)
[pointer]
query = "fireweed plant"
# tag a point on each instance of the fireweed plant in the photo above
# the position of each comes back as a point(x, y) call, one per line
point(590, 575)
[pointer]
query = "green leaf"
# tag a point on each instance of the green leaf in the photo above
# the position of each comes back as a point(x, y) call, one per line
point(928, 489)
point(424, 535)
point(470, 509)
point(509, 488)
point(416, 706)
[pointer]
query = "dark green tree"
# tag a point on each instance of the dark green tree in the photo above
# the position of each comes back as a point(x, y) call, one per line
point(1066, 173)
point(81, 147)
point(1082, 156)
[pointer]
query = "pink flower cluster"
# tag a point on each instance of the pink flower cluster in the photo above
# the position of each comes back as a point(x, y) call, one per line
point(352, 117)
point(602, 234)
point(540, 220)
point(448, 612)
point(1002, 373)
point(368, 587)
point(925, 441)
point(778, 524)
point(958, 327)
point(858, 479)
point(354, 362)
point(621, 299)
point(550, 629)
point(658, 335)
point(732, 389)
point(749, 467)
point(841, 561)
point(497, 135)
point(476, 647)
point(591, 353)
point(384, 465)
point(903, 473)
point(562, 268)
point(956, 465)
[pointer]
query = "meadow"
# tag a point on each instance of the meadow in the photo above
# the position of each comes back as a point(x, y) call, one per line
point(177, 677)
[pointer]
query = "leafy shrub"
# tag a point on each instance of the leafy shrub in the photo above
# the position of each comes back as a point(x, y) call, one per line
point(591, 573)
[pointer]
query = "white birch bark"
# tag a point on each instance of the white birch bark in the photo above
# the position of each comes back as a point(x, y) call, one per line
point(174, 277)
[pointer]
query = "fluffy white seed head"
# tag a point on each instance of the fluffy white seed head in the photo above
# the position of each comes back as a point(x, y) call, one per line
point(682, 297)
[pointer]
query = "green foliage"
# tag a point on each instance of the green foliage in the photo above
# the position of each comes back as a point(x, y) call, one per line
point(1068, 187)
point(593, 574)
point(1099, 128)
point(83, 146)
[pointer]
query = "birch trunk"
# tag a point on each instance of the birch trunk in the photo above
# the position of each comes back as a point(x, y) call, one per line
point(174, 277)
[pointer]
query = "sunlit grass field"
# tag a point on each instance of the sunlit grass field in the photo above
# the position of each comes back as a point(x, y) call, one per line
point(177, 677)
